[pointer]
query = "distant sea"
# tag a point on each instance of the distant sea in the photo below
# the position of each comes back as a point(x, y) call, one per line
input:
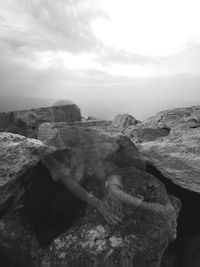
point(20, 103)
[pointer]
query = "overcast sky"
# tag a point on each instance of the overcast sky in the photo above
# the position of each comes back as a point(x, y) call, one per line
point(107, 56)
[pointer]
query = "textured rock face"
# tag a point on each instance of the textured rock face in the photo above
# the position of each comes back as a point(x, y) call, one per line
point(139, 133)
point(104, 125)
point(175, 118)
point(18, 155)
point(176, 155)
point(123, 121)
point(99, 124)
point(140, 240)
point(26, 122)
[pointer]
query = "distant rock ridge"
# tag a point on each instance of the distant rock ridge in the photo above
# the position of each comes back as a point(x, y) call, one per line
point(26, 122)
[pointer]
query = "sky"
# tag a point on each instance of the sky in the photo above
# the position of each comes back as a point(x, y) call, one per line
point(106, 56)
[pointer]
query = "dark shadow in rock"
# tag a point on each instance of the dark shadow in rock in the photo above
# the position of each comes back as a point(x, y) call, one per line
point(185, 251)
point(195, 126)
point(51, 207)
point(7, 262)
point(145, 134)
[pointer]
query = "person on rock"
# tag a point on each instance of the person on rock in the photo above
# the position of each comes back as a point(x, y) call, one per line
point(57, 195)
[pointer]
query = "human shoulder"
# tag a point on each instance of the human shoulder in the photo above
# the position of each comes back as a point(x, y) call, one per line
point(56, 167)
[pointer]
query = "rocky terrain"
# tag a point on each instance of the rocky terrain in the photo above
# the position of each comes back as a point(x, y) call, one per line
point(26, 122)
point(171, 142)
point(123, 121)
point(162, 167)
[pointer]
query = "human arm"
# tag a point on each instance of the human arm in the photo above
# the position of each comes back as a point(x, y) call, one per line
point(157, 207)
point(101, 205)
point(63, 174)
point(115, 189)
point(114, 204)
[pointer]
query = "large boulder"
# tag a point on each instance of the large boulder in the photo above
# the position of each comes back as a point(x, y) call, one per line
point(123, 121)
point(18, 155)
point(26, 122)
point(175, 152)
point(139, 240)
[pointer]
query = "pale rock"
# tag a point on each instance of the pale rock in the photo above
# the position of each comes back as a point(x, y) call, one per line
point(176, 154)
point(123, 121)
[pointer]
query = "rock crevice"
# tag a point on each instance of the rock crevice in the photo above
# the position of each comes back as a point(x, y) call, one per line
point(182, 252)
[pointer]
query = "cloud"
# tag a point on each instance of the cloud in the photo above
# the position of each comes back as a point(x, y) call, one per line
point(49, 25)
point(39, 38)
point(59, 35)
point(187, 61)
point(107, 55)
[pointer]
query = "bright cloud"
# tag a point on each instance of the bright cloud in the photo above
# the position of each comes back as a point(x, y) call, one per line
point(155, 28)
point(61, 59)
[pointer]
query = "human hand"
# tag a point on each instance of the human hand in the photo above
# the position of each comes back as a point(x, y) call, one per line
point(104, 209)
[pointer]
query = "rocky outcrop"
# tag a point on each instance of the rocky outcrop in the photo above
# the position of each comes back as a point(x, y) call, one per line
point(175, 118)
point(123, 121)
point(100, 124)
point(177, 157)
point(18, 156)
point(175, 152)
point(139, 240)
point(26, 122)
point(104, 125)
